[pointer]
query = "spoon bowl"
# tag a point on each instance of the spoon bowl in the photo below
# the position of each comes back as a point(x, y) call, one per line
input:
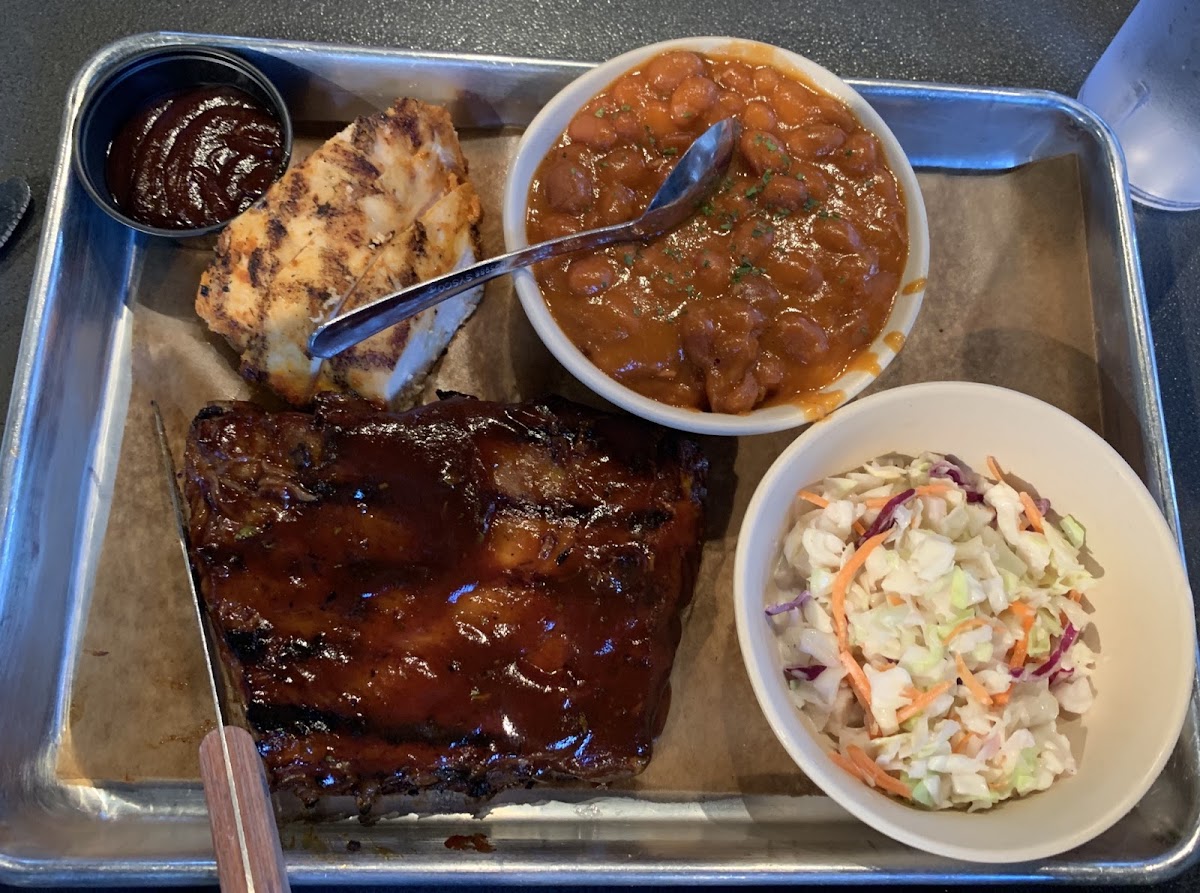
point(685, 188)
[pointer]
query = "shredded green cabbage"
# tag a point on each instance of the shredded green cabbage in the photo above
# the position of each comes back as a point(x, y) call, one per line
point(938, 591)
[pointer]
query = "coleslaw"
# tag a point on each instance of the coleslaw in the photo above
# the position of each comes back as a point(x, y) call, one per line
point(930, 624)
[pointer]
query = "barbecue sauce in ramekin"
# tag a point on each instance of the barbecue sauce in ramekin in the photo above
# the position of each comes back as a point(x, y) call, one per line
point(195, 158)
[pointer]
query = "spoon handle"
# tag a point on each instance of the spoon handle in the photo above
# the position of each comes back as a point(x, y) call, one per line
point(341, 332)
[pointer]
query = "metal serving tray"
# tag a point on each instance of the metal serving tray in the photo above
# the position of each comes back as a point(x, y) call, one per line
point(64, 430)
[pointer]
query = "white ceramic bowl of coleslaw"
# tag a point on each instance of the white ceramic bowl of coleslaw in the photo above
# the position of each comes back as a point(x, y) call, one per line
point(1142, 607)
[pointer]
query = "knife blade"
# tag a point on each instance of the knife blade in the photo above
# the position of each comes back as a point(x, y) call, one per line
point(14, 201)
point(245, 836)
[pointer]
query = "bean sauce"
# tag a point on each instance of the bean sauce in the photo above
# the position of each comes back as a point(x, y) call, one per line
point(779, 281)
point(195, 158)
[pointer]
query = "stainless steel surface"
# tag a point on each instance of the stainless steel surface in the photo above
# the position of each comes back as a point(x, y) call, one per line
point(60, 448)
point(210, 652)
point(14, 202)
point(211, 657)
point(693, 178)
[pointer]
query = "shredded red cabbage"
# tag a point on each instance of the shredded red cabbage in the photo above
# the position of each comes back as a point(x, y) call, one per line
point(808, 674)
point(793, 605)
point(1068, 639)
point(884, 519)
point(959, 472)
point(948, 470)
point(1059, 675)
point(961, 465)
point(1043, 505)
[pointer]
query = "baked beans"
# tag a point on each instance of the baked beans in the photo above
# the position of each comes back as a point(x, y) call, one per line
point(778, 281)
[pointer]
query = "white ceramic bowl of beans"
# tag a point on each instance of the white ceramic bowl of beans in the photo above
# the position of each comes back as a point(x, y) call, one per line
point(545, 131)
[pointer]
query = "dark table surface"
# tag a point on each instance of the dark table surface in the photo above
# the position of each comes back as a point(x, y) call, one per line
point(1030, 43)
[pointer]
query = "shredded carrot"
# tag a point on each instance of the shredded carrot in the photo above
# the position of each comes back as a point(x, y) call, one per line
point(963, 742)
point(1001, 699)
point(876, 773)
point(1021, 649)
point(876, 502)
point(1024, 525)
point(842, 582)
point(970, 623)
point(1036, 521)
point(994, 468)
point(1076, 595)
point(1023, 611)
point(859, 527)
point(858, 679)
point(911, 692)
point(922, 702)
point(972, 684)
point(809, 496)
point(894, 600)
point(843, 761)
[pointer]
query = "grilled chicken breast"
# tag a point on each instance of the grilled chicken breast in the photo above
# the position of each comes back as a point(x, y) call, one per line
point(383, 204)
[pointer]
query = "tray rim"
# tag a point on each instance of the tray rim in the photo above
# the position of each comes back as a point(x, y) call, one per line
point(31, 361)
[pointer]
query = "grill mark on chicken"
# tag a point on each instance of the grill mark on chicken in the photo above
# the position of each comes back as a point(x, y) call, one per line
point(464, 597)
point(383, 204)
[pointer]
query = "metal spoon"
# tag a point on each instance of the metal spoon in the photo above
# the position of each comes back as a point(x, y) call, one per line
point(690, 181)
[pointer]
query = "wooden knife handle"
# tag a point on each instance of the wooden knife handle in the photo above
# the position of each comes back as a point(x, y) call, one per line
point(263, 861)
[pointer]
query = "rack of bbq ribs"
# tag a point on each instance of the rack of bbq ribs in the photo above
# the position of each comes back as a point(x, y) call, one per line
point(463, 596)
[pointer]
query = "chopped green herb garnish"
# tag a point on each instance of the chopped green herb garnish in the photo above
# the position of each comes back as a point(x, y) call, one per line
point(673, 252)
point(625, 106)
point(849, 153)
point(707, 209)
point(745, 268)
point(753, 191)
point(245, 532)
point(725, 226)
point(670, 150)
point(670, 277)
point(763, 140)
point(811, 204)
point(628, 258)
point(691, 289)
point(599, 113)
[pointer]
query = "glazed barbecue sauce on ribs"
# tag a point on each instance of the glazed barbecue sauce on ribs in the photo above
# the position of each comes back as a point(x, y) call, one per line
point(464, 597)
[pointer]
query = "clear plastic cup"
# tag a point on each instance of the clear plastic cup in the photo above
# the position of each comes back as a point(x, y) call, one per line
point(1147, 87)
